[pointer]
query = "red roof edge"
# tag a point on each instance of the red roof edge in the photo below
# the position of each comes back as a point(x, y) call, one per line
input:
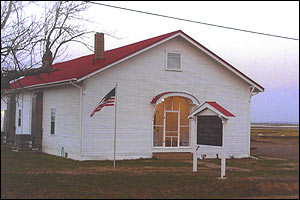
point(220, 108)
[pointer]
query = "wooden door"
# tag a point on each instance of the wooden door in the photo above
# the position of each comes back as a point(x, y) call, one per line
point(37, 120)
point(11, 120)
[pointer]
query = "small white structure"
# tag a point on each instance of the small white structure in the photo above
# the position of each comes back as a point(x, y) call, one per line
point(164, 83)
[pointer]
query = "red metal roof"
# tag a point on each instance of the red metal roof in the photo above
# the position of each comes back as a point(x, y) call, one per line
point(83, 66)
point(80, 67)
point(220, 108)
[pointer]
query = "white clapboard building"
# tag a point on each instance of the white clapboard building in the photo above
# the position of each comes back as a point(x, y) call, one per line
point(166, 86)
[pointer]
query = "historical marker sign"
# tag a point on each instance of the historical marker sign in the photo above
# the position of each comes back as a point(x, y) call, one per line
point(209, 130)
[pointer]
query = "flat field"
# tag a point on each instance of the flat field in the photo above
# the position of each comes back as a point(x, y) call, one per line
point(37, 175)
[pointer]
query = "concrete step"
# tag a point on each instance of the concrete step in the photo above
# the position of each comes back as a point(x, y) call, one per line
point(173, 156)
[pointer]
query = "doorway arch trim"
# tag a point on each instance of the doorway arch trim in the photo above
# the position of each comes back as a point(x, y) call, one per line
point(158, 98)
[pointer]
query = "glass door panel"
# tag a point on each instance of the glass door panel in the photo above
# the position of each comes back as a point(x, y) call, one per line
point(171, 141)
point(176, 101)
point(171, 121)
point(159, 115)
point(171, 131)
point(168, 103)
point(158, 136)
point(184, 112)
point(184, 136)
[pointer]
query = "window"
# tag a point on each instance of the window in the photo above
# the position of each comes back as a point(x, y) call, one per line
point(53, 113)
point(173, 61)
point(19, 118)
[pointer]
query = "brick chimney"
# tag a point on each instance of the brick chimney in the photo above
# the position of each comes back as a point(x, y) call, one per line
point(99, 46)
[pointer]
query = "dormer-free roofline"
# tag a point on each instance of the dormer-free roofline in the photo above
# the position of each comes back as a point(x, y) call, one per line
point(84, 67)
point(196, 44)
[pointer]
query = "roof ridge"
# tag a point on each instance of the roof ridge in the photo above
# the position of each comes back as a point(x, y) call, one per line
point(81, 67)
point(171, 33)
point(152, 38)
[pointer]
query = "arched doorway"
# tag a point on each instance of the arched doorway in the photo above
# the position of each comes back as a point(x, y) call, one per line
point(171, 127)
point(37, 120)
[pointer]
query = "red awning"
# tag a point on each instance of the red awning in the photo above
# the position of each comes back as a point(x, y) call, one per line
point(213, 106)
point(220, 108)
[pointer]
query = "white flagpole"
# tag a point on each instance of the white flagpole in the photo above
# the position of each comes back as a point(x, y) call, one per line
point(115, 125)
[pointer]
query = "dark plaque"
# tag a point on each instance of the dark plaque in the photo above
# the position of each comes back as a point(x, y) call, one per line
point(209, 130)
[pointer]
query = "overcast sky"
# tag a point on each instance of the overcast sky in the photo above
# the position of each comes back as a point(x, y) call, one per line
point(270, 61)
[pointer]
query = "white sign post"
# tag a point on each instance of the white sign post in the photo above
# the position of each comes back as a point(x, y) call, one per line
point(195, 164)
point(223, 165)
point(223, 156)
point(223, 162)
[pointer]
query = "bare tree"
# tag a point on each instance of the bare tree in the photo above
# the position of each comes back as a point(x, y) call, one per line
point(31, 43)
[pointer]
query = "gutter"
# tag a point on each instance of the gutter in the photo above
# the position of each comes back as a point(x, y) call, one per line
point(80, 114)
point(252, 93)
point(42, 85)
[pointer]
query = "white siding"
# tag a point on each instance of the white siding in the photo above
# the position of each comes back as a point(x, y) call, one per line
point(65, 99)
point(143, 77)
point(207, 112)
point(3, 108)
point(139, 80)
point(24, 104)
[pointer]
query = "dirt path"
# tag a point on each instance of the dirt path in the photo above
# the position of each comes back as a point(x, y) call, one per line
point(284, 148)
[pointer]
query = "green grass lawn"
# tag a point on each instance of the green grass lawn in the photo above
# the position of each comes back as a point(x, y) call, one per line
point(37, 175)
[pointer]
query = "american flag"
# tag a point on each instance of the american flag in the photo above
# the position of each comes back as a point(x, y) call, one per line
point(108, 100)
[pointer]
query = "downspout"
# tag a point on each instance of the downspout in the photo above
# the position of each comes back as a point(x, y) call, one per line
point(80, 115)
point(22, 113)
point(252, 88)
